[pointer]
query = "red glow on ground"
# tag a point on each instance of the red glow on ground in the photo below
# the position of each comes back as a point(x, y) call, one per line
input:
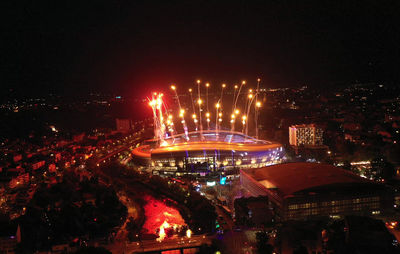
point(158, 215)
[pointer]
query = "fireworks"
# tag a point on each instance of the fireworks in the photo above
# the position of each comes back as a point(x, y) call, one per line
point(163, 118)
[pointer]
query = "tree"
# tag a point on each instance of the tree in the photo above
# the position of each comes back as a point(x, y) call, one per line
point(300, 250)
point(262, 243)
point(382, 168)
point(93, 250)
point(347, 165)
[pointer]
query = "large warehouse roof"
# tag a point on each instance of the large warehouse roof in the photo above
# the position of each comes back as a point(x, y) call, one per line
point(290, 178)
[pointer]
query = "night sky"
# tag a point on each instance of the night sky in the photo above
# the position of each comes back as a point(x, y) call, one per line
point(132, 47)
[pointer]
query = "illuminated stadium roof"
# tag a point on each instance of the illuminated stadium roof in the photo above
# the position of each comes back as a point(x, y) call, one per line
point(212, 135)
point(214, 145)
point(207, 141)
point(291, 178)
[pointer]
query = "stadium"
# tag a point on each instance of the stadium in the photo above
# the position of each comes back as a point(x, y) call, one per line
point(207, 152)
point(214, 145)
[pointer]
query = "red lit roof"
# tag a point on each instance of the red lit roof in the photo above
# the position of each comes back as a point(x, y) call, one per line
point(290, 178)
point(214, 145)
point(146, 152)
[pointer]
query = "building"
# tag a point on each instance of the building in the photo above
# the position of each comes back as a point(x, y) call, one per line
point(10, 236)
point(78, 137)
point(308, 190)
point(123, 124)
point(38, 164)
point(368, 235)
point(305, 135)
point(252, 211)
point(207, 152)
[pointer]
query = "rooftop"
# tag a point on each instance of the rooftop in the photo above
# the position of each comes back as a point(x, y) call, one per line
point(215, 145)
point(290, 178)
point(211, 141)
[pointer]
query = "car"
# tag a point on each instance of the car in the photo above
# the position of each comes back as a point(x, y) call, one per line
point(237, 229)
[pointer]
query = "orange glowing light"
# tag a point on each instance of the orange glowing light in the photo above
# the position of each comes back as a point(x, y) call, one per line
point(173, 87)
point(217, 105)
point(207, 84)
point(223, 85)
point(188, 233)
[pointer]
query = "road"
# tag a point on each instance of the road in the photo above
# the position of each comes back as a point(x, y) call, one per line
point(235, 241)
point(395, 232)
point(153, 245)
